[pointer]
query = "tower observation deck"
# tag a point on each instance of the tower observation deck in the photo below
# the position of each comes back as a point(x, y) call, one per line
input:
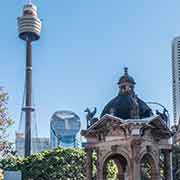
point(29, 25)
point(29, 29)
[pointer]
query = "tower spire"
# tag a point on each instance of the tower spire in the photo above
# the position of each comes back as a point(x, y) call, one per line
point(29, 2)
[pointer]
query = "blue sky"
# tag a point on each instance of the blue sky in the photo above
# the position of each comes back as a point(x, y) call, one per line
point(84, 46)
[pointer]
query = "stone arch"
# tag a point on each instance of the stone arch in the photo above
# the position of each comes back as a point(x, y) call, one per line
point(122, 162)
point(122, 152)
point(153, 156)
point(150, 161)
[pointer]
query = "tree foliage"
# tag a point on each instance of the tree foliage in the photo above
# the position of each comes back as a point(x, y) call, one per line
point(5, 123)
point(58, 164)
point(112, 170)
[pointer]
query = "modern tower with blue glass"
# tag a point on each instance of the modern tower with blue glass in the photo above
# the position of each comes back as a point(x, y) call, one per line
point(64, 126)
point(29, 28)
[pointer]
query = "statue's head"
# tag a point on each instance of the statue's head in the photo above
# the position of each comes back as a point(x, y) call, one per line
point(86, 110)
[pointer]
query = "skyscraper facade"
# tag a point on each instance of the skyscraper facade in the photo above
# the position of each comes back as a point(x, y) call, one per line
point(176, 78)
point(38, 144)
point(64, 127)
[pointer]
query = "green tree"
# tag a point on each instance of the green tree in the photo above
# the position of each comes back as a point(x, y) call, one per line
point(112, 170)
point(5, 123)
point(57, 164)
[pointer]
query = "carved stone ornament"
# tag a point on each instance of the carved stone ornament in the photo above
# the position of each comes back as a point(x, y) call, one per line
point(116, 131)
point(114, 148)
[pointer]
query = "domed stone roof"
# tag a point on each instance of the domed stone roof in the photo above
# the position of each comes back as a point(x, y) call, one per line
point(122, 105)
point(127, 105)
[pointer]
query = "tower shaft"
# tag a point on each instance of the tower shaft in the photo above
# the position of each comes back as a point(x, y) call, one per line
point(28, 106)
point(29, 28)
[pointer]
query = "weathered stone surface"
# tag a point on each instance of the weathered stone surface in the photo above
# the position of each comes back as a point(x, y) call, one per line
point(116, 139)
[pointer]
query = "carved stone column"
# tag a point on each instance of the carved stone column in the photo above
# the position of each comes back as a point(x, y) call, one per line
point(155, 166)
point(120, 177)
point(89, 165)
point(99, 165)
point(136, 147)
point(155, 176)
point(168, 161)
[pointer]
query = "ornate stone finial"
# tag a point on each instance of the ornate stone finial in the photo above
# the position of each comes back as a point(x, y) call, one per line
point(126, 70)
point(29, 2)
point(126, 78)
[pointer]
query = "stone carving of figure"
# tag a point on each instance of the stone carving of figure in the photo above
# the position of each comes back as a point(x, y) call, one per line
point(163, 115)
point(135, 108)
point(90, 116)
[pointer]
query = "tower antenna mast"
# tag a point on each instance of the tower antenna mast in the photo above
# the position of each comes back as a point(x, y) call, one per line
point(29, 27)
